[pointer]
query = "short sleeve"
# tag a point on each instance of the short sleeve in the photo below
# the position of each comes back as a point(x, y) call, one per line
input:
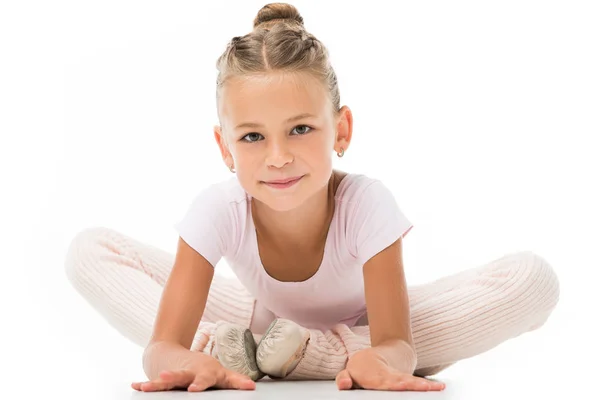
point(206, 225)
point(378, 221)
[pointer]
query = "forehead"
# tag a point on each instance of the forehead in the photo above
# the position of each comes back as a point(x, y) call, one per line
point(275, 96)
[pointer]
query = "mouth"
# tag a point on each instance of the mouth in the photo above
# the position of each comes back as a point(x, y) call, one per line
point(283, 183)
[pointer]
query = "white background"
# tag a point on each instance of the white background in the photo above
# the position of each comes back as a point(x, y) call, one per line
point(482, 117)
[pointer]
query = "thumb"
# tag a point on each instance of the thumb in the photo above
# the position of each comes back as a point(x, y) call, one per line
point(235, 380)
point(343, 380)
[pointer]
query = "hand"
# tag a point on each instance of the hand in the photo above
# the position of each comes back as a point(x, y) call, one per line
point(367, 369)
point(208, 374)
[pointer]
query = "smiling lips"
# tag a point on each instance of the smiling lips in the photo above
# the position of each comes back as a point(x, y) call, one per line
point(283, 183)
point(285, 180)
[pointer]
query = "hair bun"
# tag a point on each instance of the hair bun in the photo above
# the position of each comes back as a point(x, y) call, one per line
point(277, 12)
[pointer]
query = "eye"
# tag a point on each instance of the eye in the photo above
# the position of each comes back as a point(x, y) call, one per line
point(303, 132)
point(248, 135)
point(305, 126)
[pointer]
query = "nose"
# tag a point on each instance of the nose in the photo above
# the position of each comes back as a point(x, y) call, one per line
point(278, 154)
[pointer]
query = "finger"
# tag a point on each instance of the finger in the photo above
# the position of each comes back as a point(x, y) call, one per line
point(154, 386)
point(203, 381)
point(426, 385)
point(397, 382)
point(176, 379)
point(147, 385)
point(409, 386)
point(436, 385)
point(167, 380)
point(235, 380)
point(343, 380)
point(151, 386)
point(416, 384)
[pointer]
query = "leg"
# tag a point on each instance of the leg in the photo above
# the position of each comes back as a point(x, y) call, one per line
point(123, 280)
point(453, 318)
point(478, 309)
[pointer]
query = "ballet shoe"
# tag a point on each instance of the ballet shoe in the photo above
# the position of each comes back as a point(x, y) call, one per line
point(235, 348)
point(281, 348)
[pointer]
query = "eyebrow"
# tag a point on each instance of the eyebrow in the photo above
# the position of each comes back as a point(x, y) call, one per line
point(257, 125)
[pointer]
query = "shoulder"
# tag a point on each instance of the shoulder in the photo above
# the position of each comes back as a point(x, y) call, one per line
point(373, 217)
point(359, 189)
point(362, 201)
point(214, 219)
point(219, 197)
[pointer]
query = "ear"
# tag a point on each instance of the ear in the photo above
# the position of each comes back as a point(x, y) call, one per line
point(344, 129)
point(223, 146)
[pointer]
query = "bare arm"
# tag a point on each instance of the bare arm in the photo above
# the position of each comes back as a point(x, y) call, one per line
point(388, 308)
point(179, 314)
point(390, 362)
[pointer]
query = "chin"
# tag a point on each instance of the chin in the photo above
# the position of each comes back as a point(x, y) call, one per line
point(279, 201)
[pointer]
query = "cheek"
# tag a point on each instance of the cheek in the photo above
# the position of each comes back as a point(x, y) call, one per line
point(325, 148)
point(244, 157)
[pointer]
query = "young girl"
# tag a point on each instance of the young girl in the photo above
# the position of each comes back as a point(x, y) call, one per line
point(320, 290)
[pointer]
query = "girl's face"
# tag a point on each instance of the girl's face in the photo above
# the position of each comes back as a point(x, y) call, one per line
point(280, 126)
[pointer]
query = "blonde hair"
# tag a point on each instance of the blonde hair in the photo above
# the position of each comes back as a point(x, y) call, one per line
point(278, 43)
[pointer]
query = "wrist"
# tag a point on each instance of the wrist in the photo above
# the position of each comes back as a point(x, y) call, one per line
point(399, 355)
